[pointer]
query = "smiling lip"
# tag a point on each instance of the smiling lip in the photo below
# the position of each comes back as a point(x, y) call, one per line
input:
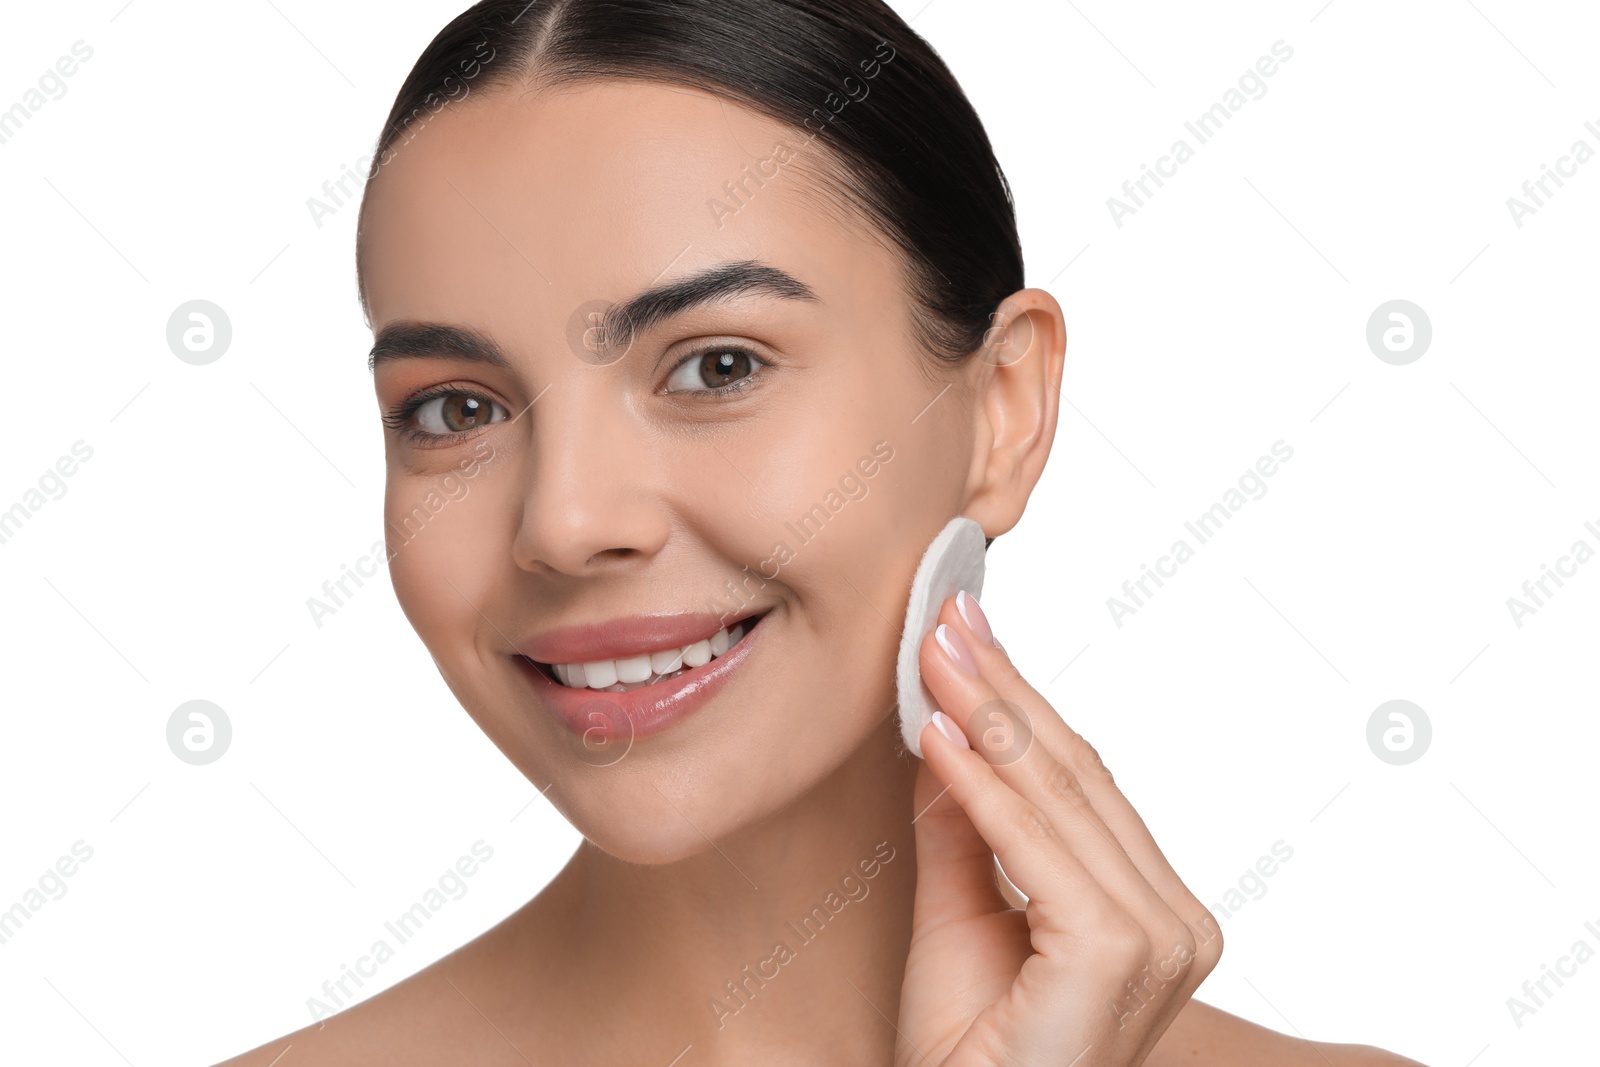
point(602, 717)
point(629, 636)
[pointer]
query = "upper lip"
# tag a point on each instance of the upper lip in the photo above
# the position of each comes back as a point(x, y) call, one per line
point(632, 635)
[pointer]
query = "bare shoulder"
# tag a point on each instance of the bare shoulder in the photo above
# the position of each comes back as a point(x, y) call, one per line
point(1203, 1036)
point(441, 1014)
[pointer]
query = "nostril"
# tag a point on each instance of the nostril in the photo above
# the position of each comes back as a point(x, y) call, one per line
point(606, 555)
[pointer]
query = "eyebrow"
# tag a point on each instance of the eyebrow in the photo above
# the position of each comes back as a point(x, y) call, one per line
point(429, 340)
point(622, 320)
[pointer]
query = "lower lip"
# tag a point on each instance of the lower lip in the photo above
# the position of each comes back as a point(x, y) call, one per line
point(602, 718)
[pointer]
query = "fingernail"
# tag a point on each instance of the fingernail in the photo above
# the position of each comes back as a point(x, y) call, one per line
point(956, 649)
point(973, 616)
point(950, 730)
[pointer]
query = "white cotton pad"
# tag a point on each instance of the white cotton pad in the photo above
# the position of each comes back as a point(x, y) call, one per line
point(953, 561)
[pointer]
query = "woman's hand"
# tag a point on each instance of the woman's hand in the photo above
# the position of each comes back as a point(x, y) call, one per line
point(1110, 945)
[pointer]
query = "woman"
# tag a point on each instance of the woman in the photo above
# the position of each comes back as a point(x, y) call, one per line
point(719, 305)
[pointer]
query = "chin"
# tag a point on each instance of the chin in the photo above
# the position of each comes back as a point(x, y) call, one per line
point(658, 851)
point(707, 777)
point(662, 837)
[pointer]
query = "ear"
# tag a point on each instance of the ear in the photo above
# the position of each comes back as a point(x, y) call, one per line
point(1017, 385)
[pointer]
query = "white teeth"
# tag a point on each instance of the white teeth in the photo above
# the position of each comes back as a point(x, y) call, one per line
point(633, 669)
point(618, 675)
point(600, 674)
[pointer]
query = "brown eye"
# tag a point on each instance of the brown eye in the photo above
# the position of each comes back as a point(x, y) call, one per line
point(715, 370)
point(457, 413)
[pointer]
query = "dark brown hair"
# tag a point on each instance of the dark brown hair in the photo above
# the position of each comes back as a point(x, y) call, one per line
point(905, 147)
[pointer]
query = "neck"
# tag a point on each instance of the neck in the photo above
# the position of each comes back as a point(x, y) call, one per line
point(804, 918)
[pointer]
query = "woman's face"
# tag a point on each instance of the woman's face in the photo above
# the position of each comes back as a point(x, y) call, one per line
point(771, 449)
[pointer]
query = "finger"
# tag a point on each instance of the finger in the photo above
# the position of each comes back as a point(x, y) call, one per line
point(1076, 925)
point(1044, 787)
point(1059, 886)
point(955, 878)
point(1071, 749)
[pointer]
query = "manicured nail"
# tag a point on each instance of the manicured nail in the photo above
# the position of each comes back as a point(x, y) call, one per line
point(950, 730)
point(956, 649)
point(973, 616)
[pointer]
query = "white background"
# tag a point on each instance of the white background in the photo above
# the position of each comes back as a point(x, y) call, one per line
point(1228, 313)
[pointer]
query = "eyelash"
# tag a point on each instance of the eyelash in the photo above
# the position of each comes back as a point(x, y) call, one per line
point(398, 418)
point(725, 392)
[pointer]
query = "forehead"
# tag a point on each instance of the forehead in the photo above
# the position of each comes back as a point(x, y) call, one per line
point(511, 207)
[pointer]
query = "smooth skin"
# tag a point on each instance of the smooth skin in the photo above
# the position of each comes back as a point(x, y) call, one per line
point(643, 485)
point(1105, 914)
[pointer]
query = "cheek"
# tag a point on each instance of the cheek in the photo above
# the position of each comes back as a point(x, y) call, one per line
point(834, 502)
point(839, 553)
point(442, 553)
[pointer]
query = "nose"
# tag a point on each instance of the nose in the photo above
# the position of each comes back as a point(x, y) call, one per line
point(587, 506)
